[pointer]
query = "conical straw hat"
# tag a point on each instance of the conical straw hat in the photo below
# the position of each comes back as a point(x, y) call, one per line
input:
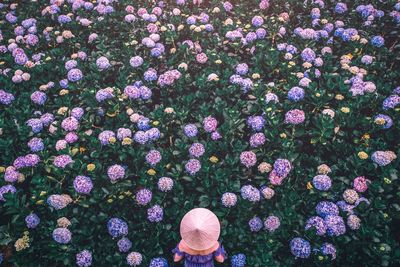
point(200, 229)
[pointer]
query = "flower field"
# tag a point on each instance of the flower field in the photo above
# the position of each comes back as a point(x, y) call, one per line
point(281, 116)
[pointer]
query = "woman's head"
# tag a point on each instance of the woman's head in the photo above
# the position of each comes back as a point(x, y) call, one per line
point(200, 229)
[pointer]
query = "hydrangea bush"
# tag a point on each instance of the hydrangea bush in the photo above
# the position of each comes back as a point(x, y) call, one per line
point(281, 116)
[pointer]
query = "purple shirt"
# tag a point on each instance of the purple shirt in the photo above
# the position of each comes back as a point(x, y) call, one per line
point(200, 260)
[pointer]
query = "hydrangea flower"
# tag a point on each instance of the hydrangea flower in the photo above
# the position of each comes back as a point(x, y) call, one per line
point(135, 259)
point(322, 182)
point(84, 258)
point(62, 235)
point(238, 260)
point(117, 227)
point(300, 247)
point(32, 221)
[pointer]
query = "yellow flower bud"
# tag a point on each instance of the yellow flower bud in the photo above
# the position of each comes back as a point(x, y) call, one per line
point(380, 121)
point(283, 135)
point(213, 159)
point(112, 140)
point(345, 110)
point(42, 193)
point(255, 76)
point(362, 155)
point(74, 151)
point(90, 167)
point(126, 141)
point(2, 169)
point(218, 61)
point(110, 200)
point(309, 186)
point(387, 180)
point(40, 202)
point(156, 123)
point(151, 172)
point(339, 97)
point(63, 92)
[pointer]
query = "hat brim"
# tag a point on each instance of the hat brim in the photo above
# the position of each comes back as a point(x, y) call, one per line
point(201, 251)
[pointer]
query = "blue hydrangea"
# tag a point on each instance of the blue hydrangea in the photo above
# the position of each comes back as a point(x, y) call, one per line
point(124, 244)
point(190, 130)
point(377, 41)
point(256, 123)
point(32, 221)
point(255, 224)
point(300, 248)
point(158, 262)
point(322, 182)
point(296, 94)
point(117, 227)
point(335, 225)
point(325, 208)
point(238, 260)
point(144, 124)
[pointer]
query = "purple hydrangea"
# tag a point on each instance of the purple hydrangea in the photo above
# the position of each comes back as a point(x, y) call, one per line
point(210, 124)
point(318, 223)
point(32, 221)
point(322, 182)
point(36, 144)
point(165, 184)
point(383, 158)
point(294, 116)
point(300, 248)
point(192, 166)
point(250, 193)
point(255, 224)
point(272, 223)
point(70, 124)
point(136, 61)
point(229, 199)
point(102, 63)
point(248, 158)
point(325, 208)
point(328, 249)
point(296, 94)
point(196, 150)
point(83, 184)
point(74, 75)
point(256, 123)
point(155, 214)
point(257, 139)
point(190, 130)
point(124, 244)
point(115, 172)
point(62, 161)
point(153, 157)
point(6, 98)
point(134, 259)
point(117, 227)
point(334, 225)
point(282, 167)
point(84, 258)
point(62, 235)
point(144, 196)
point(5, 189)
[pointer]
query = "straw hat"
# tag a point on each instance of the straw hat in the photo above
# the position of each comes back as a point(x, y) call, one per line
point(200, 229)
